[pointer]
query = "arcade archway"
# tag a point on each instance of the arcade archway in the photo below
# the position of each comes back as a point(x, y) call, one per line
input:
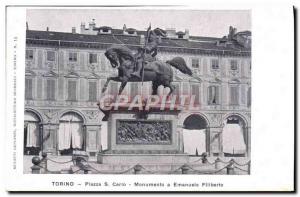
point(234, 137)
point(70, 133)
point(195, 135)
point(32, 133)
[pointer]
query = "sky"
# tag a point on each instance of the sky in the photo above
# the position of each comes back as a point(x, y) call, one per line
point(214, 23)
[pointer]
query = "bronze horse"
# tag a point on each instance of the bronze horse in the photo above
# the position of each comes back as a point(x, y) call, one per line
point(156, 71)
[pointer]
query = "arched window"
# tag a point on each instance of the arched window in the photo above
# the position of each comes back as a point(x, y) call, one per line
point(32, 145)
point(195, 135)
point(234, 137)
point(70, 133)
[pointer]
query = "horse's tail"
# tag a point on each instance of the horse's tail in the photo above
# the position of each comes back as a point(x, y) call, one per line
point(179, 63)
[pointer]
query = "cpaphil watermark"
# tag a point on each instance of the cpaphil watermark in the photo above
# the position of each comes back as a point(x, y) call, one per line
point(172, 102)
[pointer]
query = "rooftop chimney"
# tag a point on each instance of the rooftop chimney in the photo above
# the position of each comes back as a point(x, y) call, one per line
point(232, 32)
point(47, 29)
point(92, 24)
point(73, 30)
point(124, 29)
point(187, 34)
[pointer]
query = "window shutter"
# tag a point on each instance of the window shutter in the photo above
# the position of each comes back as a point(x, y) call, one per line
point(234, 95)
point(72, 89)
point(210, 95)
point(39, 88)
point(61, 60)
point(249, 97)
point(204, 66)
point(213, 95)
point(217, 95)
point(223, 67)
point(40, 59)
point(50, 89)
point(243, 94)
point(53, 89)
point(92, 91)
point(195, 91)
point(103, 65)
point(81, 60)
point(28, 88)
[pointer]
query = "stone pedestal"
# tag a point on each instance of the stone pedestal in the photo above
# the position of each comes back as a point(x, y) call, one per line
point(143, 137)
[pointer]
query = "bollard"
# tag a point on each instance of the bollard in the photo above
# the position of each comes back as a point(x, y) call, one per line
point(137, 169)
point(204, 158)
point(249, 167)
point(230, 167)
point(218, 164)
point(184, 169)
point(36, 169)
point(43, 163)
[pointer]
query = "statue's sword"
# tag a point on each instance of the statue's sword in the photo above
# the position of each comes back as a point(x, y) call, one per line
point(143, 55)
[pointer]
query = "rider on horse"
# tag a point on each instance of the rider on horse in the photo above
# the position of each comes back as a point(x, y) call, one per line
point(150, 48)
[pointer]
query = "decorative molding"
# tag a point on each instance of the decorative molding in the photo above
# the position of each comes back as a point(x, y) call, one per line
point(92, 114)
point(51, 114)
point(30, 73)
point(93, 76)
point(216, 119)
point(234, 80)
point(72, 74)
point(51, 65)
point(50, 74)
point(215, 80)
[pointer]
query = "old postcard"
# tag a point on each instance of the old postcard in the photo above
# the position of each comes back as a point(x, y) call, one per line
point(134, 99)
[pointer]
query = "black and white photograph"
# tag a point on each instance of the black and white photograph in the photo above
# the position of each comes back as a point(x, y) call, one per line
point(146, 96)
point(149, 98)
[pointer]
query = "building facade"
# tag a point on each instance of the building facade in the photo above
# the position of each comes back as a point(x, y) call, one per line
point(65, 73)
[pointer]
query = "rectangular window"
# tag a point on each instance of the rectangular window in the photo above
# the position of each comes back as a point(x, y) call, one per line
point(249, 97)
point(215, 64)
point(92, 91)
point(233, 64)
point(28, 89)
point(51, 56)
point(73, 57)
point(195, 91)
point(29, 54)
point(234, 95)
point(72, 90)
point(92, 58)
point(213, 95)
point(50, 89)
point(195, 63)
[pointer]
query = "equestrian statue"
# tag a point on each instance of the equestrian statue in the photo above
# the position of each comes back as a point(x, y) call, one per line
point(143, 66)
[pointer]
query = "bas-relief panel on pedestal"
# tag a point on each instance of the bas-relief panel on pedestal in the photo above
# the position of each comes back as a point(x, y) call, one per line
point(144, 132)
